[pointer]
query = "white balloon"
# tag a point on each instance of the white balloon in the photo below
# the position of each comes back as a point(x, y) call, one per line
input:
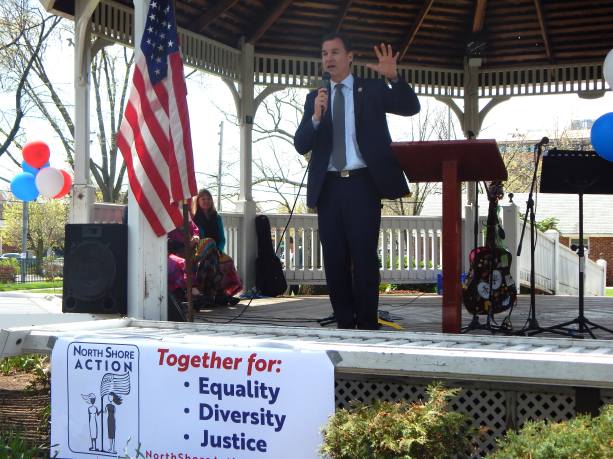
point(607, 69)
point(49, 181)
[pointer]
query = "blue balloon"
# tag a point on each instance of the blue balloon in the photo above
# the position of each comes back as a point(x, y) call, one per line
point(27, 168)
point(602, 136)
point(32, 170)
point(23, 187)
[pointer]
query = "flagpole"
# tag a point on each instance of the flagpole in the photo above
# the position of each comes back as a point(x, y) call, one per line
point(188, 262)
point(102, 423)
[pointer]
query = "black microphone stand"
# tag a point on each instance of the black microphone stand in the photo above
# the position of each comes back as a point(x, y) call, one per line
point(532, 327)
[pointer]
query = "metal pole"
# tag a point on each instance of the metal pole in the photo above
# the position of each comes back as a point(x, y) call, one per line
point(219, 167)
point(24, 240)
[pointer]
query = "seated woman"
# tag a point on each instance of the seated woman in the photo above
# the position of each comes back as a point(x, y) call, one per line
point(177, 276)
point(206, 275)
point(210, 225)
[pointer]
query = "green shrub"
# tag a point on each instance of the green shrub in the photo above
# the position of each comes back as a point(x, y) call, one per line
point(386, 430)
point(8, 269)
point(36, 364)
point(583, 437)
point(14, 446)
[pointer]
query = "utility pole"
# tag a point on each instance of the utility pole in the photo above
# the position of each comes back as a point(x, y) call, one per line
point(219, 167)
point(24, 241)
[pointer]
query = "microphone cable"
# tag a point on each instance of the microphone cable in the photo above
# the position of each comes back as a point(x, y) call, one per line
point(325, 77)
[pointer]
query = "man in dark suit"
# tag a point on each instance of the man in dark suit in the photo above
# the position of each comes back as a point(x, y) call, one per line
point(351, 169)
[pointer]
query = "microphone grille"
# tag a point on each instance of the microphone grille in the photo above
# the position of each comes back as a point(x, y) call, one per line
point(325, 76)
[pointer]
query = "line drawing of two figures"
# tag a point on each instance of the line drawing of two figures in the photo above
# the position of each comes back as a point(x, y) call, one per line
point(93, 413)
point(111, 385)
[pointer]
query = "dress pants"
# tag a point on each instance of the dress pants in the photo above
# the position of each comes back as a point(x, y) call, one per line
point(349, 217)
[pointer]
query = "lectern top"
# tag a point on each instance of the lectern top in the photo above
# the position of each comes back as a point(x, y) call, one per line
point(476, 159)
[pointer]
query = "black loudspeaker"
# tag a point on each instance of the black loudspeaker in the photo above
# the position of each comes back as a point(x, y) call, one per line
point(96, 268)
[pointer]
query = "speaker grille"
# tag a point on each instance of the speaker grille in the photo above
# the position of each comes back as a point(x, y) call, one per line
point(91, 266)
point(95, 269)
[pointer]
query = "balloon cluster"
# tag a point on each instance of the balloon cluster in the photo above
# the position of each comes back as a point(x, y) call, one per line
point(37, 177)
point(602, 129)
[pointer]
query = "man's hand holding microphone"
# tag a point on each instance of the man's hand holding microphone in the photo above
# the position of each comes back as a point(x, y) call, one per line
point(321, 100)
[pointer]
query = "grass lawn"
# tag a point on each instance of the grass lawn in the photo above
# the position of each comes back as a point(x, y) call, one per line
point(609, 291)
point(54, 287)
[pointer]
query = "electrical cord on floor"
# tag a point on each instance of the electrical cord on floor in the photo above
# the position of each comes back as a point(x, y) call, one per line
point(289, 219)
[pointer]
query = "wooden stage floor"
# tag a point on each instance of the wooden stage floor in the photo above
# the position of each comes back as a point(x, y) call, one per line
point(415, 313)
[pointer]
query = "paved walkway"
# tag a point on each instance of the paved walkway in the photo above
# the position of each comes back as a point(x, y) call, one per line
point(20, 309)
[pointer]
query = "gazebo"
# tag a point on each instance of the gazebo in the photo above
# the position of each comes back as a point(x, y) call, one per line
point(469, 54)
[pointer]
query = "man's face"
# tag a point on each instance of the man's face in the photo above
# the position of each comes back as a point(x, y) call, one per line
point(335, 59)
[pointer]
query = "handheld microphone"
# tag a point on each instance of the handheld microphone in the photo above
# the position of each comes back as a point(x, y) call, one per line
point(325, 80)
point(323, 84)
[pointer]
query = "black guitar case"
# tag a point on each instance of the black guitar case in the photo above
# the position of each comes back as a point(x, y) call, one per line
point(269, 277)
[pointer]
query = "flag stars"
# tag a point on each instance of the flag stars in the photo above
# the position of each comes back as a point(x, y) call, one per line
point(154, 5)
point(170, 43)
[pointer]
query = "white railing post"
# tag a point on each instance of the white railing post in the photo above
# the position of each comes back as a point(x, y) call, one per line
point(603, 264)
point(554, 236)
point(467, 236)
point(512, 228)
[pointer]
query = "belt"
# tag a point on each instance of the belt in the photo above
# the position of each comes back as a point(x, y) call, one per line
point(348, 173)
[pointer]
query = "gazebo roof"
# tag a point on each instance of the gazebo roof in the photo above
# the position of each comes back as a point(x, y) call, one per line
point(430, 33)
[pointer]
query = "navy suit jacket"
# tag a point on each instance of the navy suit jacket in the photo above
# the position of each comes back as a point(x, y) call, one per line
point(372, 99)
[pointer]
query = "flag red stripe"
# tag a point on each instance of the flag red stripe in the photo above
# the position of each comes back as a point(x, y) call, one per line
point(139, 195)
point(158, 186)
point(144, 156)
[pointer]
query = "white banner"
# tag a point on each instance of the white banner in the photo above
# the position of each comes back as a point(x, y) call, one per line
point(187, 401)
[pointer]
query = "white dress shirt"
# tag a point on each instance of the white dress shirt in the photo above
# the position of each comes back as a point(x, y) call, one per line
point(352, 151)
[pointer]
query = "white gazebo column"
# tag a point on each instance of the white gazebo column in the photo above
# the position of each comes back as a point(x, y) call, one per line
point(147, 253)
point(471, 124)
point(471, 119)
point(83, 193)
point(246, 113)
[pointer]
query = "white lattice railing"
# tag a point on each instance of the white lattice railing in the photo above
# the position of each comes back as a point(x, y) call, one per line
point(556, 266)
point(410, 249)
point(410, 252)
point(547, 79)
point(114, 22)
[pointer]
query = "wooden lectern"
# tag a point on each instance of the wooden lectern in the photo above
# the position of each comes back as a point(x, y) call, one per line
point(451, 162)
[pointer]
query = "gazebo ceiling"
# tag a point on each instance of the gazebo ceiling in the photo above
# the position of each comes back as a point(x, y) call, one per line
point(434, 33)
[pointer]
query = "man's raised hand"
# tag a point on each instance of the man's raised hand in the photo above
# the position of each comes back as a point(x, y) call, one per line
point(388, 61)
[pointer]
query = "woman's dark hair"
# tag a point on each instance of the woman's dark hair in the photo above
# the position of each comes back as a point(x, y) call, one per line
point(116, 398)
point(197, 210)
point(342, 37)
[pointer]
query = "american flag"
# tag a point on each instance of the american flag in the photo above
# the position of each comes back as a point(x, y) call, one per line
point(154, 137)
point(116, 383)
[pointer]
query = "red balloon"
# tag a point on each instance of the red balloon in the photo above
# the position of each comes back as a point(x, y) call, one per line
point(36, 153)
point(67, 184)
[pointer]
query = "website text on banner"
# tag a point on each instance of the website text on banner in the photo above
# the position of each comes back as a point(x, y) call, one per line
point(184, 401)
